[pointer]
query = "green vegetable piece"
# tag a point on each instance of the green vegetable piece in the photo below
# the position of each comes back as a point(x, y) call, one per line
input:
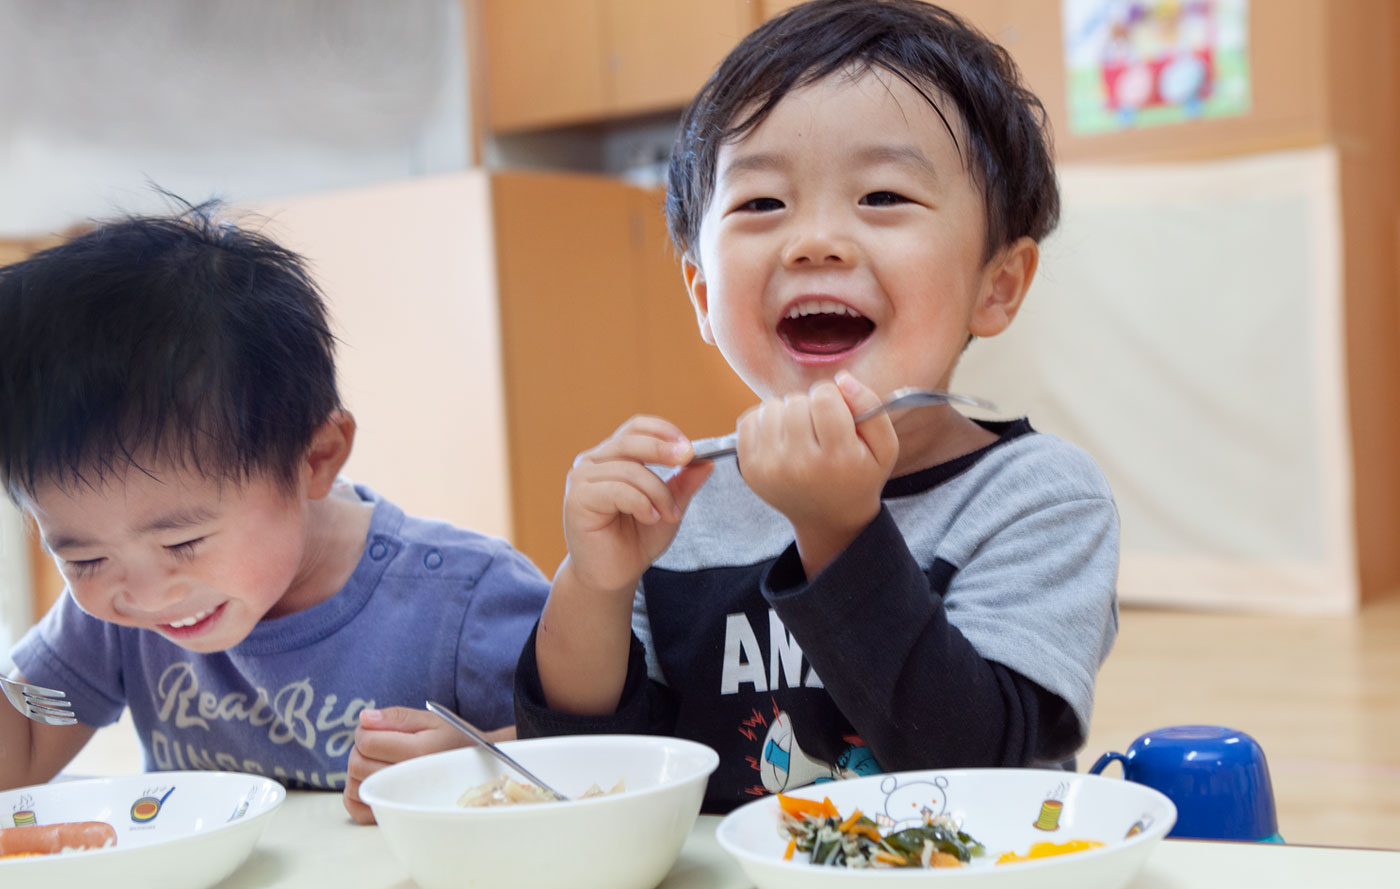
point(828, 853)
point(974, 848)
point(910, 841)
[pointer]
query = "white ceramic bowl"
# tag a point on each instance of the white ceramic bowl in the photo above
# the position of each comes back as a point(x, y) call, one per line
point(175, 830)
point(1007, 810)
point(627, 840)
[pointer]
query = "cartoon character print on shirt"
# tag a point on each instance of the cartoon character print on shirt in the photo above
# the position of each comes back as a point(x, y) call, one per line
point(782, 764)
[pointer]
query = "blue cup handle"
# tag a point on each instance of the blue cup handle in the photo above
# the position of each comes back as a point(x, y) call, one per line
point(1107, 758)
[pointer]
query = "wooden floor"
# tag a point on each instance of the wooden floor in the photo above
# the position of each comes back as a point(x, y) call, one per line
point(1320, 694)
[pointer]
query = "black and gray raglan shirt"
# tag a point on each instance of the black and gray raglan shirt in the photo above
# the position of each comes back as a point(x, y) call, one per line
point(963, 627)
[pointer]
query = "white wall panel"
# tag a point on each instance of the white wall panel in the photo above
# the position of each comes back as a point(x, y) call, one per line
point(1185, 329)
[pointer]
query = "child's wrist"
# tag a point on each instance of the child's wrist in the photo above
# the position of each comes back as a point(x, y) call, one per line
point(578, 583)
point(837, 524)
point(820, 542)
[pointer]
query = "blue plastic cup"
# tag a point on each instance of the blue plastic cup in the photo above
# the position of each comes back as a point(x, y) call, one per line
point(1217, 777)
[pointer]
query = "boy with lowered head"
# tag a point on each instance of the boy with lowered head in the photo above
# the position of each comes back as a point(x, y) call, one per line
point(169, 417)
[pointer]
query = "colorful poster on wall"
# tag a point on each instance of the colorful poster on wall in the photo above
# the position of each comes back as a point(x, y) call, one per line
point(1141, 63)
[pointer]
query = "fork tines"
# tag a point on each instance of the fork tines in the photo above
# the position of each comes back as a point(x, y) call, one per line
point(46, 705)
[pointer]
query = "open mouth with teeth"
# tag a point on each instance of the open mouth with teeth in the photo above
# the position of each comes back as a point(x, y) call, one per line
point(193, 624)
point(824, 327)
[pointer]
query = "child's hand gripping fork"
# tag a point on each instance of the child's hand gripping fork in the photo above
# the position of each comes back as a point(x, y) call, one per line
point(900, 399)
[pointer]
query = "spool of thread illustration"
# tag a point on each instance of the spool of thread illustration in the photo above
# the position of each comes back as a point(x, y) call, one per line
point(24, 817)
point(148, 807)
point(1050, 815)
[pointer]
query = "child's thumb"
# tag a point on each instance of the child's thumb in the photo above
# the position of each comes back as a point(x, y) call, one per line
point(859, 397)
point(396, 719)
point(878, 431)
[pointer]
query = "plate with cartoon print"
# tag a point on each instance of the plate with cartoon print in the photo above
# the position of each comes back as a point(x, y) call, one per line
point(174, 830)
point(1016, 828)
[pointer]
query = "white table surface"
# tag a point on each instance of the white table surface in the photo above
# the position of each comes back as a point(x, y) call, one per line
point(311, 841)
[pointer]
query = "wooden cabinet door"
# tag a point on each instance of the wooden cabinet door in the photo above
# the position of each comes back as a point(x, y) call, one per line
point(662, 51)
point(687, 380)
point(544, 62)
point(569, 336)
point(559, 62)
point(596, 326)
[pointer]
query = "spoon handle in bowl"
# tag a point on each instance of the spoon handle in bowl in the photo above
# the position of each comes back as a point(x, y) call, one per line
point(476, 735)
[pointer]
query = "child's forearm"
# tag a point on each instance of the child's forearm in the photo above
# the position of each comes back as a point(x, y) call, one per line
point(15, 747)
point(31, 753)
point(582, 646)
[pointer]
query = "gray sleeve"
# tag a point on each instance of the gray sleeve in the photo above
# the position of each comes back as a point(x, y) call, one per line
point(1037, 566)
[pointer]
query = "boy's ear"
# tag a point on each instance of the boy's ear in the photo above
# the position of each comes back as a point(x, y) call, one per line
point(330, 448)
point(1004, 284)
point(699, 296)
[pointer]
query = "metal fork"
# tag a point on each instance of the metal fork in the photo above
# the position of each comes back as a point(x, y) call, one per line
point(900, 399)
point(47, 705)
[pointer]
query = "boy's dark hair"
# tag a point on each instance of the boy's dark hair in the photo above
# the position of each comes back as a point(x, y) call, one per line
point(1007, 138)
point(182, 338)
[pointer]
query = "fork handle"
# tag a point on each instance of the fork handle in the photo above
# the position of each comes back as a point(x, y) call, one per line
point(859, 418)
point(715, 454)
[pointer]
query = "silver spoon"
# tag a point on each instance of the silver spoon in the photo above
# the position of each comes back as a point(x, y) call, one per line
point(475, 734)
point(900, 399)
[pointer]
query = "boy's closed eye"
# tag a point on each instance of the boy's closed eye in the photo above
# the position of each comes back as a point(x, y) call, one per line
point(187, 549)
point(83, 567)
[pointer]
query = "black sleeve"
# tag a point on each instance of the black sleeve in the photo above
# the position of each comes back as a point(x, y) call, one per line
point(914, 688)
point(646, 706)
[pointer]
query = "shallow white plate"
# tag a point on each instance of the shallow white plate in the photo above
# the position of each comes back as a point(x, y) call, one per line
point(175, 830)
point(1007, 810)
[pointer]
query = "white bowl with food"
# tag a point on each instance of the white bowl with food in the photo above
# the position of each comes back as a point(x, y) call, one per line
point(175, 830)
point(984, 828)
point(626, 837)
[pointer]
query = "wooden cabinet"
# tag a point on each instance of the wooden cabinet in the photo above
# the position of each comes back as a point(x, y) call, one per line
point(662, 51)
point(550, 63)
point(543, 62)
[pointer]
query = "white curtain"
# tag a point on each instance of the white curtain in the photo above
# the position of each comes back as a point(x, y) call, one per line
point(1185, 329)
